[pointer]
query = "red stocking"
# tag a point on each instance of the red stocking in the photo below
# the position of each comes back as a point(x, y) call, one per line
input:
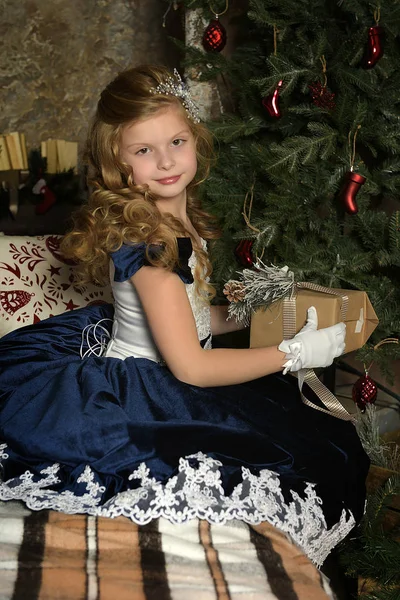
point(47, 200)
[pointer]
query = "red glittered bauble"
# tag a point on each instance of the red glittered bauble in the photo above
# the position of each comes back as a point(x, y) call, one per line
point(374, 47)
point(351, 186)
point(214, 37)
point(364, 392)
point(243, 253)
point(271, 102)
point(322, 96)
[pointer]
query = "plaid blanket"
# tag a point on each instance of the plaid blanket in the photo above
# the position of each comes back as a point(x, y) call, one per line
point(53, 556)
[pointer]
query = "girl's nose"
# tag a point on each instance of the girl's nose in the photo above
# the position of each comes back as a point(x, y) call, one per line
point(165, 161)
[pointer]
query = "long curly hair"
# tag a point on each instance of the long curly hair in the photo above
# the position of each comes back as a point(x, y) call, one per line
point(118, 211)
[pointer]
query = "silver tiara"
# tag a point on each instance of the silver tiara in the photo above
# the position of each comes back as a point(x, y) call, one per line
point(174, 86)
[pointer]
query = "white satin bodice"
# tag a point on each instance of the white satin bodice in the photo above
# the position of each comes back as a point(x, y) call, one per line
point(131, 335)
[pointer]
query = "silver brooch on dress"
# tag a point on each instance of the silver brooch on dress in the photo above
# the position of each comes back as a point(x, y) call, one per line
point(174, 86)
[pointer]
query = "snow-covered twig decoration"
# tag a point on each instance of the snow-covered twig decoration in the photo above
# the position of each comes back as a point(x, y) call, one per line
point(261, 286)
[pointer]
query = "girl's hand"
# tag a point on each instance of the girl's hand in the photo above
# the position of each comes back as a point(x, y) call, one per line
point(312, 348)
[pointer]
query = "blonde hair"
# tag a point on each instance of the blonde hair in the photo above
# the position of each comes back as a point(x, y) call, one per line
point(118, 211)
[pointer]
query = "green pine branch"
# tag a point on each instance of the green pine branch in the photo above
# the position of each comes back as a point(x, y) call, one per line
point(299, 150)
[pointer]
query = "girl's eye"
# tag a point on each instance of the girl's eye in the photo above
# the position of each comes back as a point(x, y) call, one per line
point(143, 151)
point(178, 142)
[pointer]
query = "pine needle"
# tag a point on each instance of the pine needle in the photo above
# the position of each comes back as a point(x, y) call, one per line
point(383, 454)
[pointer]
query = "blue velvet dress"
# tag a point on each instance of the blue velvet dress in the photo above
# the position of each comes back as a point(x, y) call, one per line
point(92, 421)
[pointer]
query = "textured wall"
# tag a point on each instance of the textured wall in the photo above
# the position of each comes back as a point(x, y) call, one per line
point(56, 56)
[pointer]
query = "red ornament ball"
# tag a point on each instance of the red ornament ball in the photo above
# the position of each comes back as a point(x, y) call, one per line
point(243, 253)
point(322, 96)
point(214, 37)
point(364, 392)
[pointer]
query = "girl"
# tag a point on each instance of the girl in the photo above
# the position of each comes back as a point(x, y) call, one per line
point(161, 424)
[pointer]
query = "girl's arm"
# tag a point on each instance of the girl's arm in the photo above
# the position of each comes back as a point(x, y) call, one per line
point(219, 324)
point(164, 299)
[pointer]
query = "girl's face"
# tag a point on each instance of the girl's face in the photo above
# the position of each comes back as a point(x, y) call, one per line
point(162, 153)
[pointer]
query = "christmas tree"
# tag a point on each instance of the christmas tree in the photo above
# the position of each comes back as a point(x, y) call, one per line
point(308, 175)
point(308, 145)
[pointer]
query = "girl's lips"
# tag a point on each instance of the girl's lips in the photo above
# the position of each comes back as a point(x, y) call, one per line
point(168, 180)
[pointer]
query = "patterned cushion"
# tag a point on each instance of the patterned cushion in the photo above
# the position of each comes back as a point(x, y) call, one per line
point(37, 282)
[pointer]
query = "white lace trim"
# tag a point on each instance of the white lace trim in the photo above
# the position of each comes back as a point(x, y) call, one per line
point(195, 492)
point(201, 310)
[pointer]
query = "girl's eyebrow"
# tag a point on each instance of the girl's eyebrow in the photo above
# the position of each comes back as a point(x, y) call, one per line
point(145, 144)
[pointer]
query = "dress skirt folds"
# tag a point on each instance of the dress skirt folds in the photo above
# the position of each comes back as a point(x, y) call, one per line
point(91, 434)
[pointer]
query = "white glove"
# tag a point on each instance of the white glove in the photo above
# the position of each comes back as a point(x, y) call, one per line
point(311, 348)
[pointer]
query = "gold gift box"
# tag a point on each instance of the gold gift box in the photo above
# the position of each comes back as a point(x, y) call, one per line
point(267, 325)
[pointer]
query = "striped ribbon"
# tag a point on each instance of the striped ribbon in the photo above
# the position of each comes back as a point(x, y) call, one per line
point(332, 405)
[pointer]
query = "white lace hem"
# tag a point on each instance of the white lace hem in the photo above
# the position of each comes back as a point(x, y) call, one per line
point(195, 492)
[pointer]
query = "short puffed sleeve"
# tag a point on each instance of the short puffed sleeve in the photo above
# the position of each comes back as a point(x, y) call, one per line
point(131, 257)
